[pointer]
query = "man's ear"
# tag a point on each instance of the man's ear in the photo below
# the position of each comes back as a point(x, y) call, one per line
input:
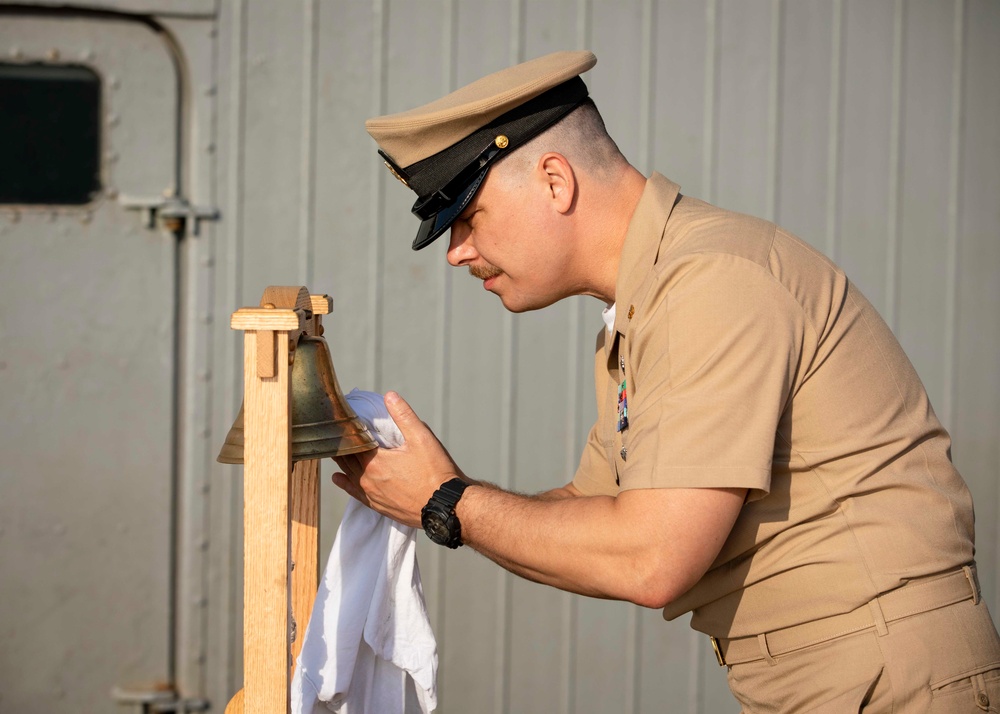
point(560, 181)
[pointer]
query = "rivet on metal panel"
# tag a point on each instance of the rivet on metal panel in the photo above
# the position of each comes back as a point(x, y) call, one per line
point(203, 545)
point(206, 487)
point(204, 375)
point(114, 82)
point(87, 55)
point(210, 90)
point(207, 262)
point(52, 54)
point(206, 319)
point(210, 148)
point(112, 157)
point(86, 217)
point(113, 120)
point(53, 216)
point(111, 193)
point(14, 216)
point(206, 433)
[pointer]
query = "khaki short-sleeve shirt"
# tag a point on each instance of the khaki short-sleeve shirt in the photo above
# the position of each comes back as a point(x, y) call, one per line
point(749, 360)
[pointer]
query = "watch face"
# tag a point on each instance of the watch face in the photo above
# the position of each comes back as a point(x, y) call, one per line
point(436, 527)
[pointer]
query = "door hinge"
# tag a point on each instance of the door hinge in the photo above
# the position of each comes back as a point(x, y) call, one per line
point(172, 212)
point(155, 699)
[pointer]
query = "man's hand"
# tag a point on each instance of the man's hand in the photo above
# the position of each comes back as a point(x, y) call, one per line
point(398, 482)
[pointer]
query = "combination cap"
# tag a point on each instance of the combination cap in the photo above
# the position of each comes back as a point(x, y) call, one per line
point(443, 150)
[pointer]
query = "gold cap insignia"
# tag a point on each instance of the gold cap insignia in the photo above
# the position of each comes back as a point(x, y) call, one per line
point(501, 141)
point(394, 173)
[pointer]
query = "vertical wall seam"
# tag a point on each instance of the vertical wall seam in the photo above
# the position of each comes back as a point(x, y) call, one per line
point(647, 86)
point(574, 440)
point(209, 400)
point(711, 88)
point(377, 239)
point(774, 111)
point(710, 122)
point(954, 189)
point(233, 358)
point(835, 117)
point(307, 168)
point(895, 169)
point(448, 73)
point(508, 415)
point(647, 104)
point(439, 563)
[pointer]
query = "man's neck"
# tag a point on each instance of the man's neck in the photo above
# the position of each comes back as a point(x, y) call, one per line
point(606, 232)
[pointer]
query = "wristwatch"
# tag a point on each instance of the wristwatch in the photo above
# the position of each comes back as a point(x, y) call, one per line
point(438, 517)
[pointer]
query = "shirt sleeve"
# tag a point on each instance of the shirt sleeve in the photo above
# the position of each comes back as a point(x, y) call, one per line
point(594, 476)
point(710, 369)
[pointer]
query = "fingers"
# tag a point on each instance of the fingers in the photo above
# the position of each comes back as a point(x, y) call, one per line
point(354, 464)
point(350, 486)
point(406, 419)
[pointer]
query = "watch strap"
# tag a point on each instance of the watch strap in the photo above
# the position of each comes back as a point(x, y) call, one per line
point(445, 499)
point(450, 492)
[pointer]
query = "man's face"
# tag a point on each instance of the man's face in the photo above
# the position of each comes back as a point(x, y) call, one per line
point(507, 237)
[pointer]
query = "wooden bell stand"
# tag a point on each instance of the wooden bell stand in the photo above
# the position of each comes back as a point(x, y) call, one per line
point(280, 502)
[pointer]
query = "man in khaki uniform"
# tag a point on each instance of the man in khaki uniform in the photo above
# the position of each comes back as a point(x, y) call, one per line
point(764, 455)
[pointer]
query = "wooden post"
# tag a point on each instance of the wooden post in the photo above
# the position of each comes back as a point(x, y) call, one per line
point(281, 503)
point(267, 540)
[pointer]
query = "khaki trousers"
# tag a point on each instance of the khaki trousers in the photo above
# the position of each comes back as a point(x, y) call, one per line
point(942, 661)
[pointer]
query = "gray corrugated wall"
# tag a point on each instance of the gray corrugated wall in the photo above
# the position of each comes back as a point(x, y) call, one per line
point(867, 127)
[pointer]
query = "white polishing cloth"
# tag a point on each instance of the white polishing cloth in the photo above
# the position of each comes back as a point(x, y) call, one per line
point(369, 647)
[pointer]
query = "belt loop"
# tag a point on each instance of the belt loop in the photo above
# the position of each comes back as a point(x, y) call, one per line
point(979, 687)
point(973, 583)
point(762, 643)
point(880, 625)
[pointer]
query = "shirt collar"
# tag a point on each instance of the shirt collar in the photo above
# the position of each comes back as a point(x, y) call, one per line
point(642, 244)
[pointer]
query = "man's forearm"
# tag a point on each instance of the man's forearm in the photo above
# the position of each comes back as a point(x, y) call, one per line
point(516, 532)
point(599, 546)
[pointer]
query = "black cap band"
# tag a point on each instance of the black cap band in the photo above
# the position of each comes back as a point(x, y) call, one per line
point(447, 181)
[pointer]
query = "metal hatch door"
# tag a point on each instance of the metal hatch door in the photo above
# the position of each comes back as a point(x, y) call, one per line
point(88, 296)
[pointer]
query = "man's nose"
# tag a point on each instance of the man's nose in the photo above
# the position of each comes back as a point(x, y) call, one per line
point(461, 250)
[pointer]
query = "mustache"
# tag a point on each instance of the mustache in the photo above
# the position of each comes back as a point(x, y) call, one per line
point(484, 272)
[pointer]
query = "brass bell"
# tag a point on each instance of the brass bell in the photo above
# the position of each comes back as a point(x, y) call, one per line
point(323, 423)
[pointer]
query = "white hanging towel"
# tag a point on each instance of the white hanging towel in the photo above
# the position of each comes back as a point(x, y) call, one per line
point(369, 647)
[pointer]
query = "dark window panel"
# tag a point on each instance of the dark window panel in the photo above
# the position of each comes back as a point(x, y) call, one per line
point(50, 134)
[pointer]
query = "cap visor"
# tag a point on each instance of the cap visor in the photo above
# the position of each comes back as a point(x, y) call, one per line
point(431, 228)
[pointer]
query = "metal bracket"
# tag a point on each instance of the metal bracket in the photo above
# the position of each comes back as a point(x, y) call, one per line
point(173, 212)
